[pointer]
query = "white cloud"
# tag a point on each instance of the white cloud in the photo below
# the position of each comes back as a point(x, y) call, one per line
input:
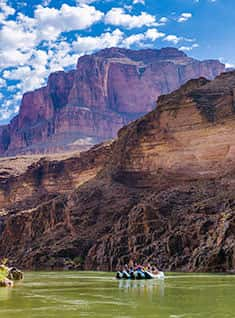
point(118, 17)
point(139, 1)
point(163, 20)
point(47, 24)
point(173, 39)
point(17, 73)
point(184, 17)
point(20, 37)
point(2, 82)
point(229, 65)
point(176, 39)
point(5, 112)
point(12, 88)
point(13, 57)
point(85, 1)
point(10, 107)
point(67, 18)
point(154, 34)
point(134, 39)
point(128, 7)
point(29, 78)
point(189, 48)
point(90, 43)
point(13, 37)
point(142, 39)
point(46, 3)
point(6, 10)
point(116, 38)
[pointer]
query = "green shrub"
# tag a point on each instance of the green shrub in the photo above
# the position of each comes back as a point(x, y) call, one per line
point(3, 272)
point(78, 260)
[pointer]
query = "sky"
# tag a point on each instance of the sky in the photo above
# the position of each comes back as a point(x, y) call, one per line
point(39, 37)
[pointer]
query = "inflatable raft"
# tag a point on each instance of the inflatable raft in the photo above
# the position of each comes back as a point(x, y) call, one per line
point(139, 275)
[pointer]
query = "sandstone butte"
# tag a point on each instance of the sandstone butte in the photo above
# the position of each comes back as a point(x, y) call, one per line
point(88, 105)
point(162, 191)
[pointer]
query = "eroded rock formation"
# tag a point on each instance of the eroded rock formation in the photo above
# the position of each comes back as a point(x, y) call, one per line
point(90, 104)
point(161, 192)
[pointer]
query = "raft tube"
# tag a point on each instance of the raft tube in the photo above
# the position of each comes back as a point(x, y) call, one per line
point(126, 275)
point(119, 275)
point(160, 275)
point(139, 275)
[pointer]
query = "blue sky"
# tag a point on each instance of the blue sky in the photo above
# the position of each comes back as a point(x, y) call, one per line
point(42, 36)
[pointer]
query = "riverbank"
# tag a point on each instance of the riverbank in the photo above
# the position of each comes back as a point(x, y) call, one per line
point(8, 275)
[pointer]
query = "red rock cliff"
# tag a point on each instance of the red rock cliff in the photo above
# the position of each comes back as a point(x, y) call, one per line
point(161, 192)
point(90, 104)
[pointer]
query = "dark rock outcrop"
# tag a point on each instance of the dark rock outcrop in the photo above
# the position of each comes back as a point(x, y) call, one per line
point(90, 104)
point(15, 274)
point(163, 192)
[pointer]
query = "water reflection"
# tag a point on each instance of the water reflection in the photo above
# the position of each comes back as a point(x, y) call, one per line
point(5, 293)
point(143, 287)
point(99, 295)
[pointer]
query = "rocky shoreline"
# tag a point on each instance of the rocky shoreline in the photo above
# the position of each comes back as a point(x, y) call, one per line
point(8, 275)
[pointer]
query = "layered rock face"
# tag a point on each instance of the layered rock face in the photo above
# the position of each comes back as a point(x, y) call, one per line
point(162, 192)
point(90, 104)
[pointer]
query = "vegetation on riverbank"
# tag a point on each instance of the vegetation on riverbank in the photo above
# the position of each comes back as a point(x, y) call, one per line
point(3, 272)
point(8, 274)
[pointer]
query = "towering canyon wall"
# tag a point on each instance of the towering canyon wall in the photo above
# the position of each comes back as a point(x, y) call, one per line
point(90, 104)
point(161, 192)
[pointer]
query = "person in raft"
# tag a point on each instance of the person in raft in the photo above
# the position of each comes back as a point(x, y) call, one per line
point(137, 271)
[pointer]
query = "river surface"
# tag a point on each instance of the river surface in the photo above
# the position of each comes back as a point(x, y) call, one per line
point(96, 294)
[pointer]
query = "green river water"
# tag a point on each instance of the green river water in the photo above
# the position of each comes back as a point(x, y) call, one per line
point(96, 294)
